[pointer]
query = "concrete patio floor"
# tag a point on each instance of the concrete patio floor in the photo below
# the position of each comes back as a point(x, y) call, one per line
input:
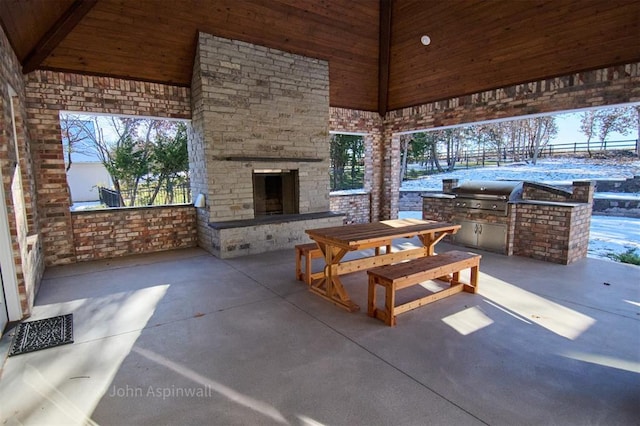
point(185, 338)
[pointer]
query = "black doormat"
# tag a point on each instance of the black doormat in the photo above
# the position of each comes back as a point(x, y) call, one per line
point(42, 334)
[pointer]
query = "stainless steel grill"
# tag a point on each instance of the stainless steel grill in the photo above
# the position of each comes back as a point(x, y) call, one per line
point(486, 196)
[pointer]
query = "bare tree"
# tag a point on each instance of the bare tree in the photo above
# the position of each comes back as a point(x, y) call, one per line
point(405, 143)
point(588, 126)
point(603, 122)
point(637, 118)
point(539, 131)
point(117, 142)
point(613, 120)
point(78, 136)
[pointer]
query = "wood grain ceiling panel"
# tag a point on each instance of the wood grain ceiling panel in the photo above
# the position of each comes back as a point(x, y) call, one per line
point(484, 45)
point(27, 21)
point(476, 44)
point(155, 40)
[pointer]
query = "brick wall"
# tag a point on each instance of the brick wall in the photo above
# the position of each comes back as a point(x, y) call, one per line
point(438, 207)
point(24, 262)
point(370, 124)
point(48, 93)
point(603, 87)
point(583, 191)
point(553, 232)
point(541, 192)
point(356, 207)
point(548, 224)
point(104, 234)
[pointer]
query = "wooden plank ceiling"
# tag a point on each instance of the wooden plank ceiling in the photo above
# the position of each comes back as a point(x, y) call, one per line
point(376, 60)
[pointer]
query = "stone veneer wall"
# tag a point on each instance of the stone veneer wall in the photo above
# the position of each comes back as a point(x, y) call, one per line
point(245, 239)
point(619, 185)
point(48, 93)
point(355, 206)
point(104, 234)
point(257, 108)
point(18, 185)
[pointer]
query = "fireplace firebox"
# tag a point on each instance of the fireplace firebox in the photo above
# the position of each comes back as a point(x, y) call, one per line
point(275, 191)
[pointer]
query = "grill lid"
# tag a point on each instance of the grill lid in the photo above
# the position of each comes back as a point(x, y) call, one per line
point(504, 190)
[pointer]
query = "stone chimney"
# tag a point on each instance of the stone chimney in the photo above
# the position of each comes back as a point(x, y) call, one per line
point(259, 146)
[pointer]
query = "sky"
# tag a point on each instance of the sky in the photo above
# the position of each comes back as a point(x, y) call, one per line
point(569, 130)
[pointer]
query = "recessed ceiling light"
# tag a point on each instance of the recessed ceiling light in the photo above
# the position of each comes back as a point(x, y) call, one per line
point(426, 40)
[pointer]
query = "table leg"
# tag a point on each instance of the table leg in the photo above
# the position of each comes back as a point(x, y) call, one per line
point(429, 241)
point(330, 287)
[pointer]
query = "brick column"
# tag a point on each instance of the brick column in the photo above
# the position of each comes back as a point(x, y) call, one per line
point(583, 191)
point(448, 185)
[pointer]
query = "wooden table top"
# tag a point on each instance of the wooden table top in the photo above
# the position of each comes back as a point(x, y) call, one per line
point(353, 236)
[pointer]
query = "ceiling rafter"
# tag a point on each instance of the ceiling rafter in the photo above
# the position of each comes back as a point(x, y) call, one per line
point(384, 56)
point(63, 26)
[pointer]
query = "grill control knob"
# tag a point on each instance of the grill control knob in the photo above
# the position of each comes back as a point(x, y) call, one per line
point(495, 206)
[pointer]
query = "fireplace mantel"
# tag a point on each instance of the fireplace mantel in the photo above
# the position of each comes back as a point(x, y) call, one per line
point(281, 218)
point(273, 159)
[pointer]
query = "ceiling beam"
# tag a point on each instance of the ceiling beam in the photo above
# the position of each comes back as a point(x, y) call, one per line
point(384, 56)
point(50, 40)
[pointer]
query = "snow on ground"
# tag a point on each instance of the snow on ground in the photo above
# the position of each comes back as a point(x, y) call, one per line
point(553, 172)
point(608, 234)
point(613, 235)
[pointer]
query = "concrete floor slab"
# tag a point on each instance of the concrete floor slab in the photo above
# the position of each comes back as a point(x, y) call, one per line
point(185, 338)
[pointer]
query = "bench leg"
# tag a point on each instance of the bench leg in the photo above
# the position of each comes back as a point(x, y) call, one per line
point(456, 278)
point(387, 247)
point(475, 271)
point(390, 304)
point(371, 300)
point(299, 275)
point(386, 315)
point(307, 271)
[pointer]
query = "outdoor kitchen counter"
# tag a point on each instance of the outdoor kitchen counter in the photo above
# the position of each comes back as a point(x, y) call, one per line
point(336, 242)
point(551, 203)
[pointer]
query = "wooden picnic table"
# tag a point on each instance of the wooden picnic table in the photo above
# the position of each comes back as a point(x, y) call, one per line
point(335, 242)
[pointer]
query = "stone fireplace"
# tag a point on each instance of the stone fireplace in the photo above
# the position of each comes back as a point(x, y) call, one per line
point(275, 191)
point(259, 148)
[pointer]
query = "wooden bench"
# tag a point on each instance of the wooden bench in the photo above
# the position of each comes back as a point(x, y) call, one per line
point(309, 252)
point(403, 275)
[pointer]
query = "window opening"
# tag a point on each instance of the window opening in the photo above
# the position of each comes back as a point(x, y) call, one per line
point(125, 161)
point(347, 162)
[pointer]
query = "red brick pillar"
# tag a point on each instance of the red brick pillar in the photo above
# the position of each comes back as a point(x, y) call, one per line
point(448, 185)
point(583, 191)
